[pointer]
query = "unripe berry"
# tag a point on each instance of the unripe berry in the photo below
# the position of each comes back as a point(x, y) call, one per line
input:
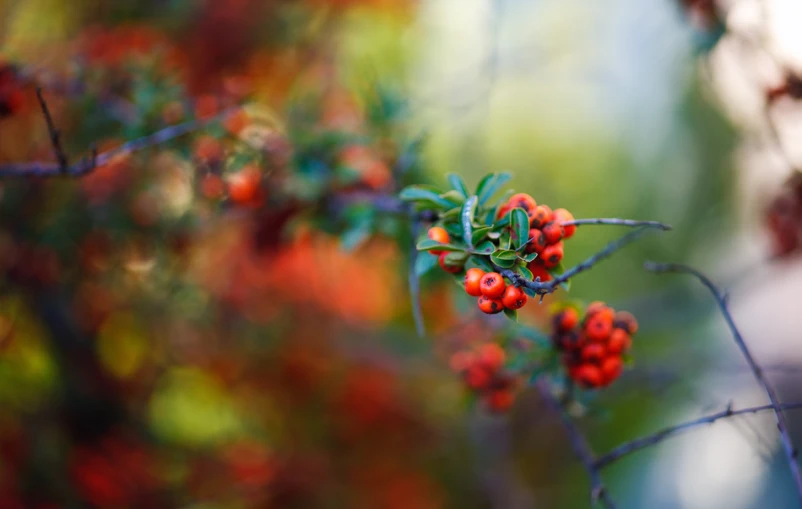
point(524, 201)
point(490, 306)
point(491, 356)
point(438, 234)
point(588, 375)
point(514, 298)
point(451, 269)
point(563, 216)
point(537, 241)
point(472, 280)
point(625, 320)
point(566, 320)
point(598, 328)
point(619, 341)
point(553, 232)
point(541, 216)
point(552, 255)
point(492, 285)
point(594, 352)
point(611, 368)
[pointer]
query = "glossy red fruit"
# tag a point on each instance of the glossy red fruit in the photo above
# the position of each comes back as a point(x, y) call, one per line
point(524, 201)
point(553, 232)
point(491, 356)
point(537, 241)
point(541, 216)
point(244, 187)
point(611, 368)
point(438, 234)
point(472, 280)
point(492, 285)
point(477, 377)
point(598, 328)
point(514, 298)
point(563, 216)
point(552, 255)
point(593, 352)
point(538, 270)
point(500, 400)
point(619, 341)
point(588, 375)
point(490, 306)
point(566, 320)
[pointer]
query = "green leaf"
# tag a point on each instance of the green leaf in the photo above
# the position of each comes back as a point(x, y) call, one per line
point(529, 292)
point(504, 239)
point(519, 223)
point(425, 194)
point(488, 186)
point(479, 234)
point(424, 262)
point(456, 258)
point(529, 257)
point(453, 229)
point(480, 262)
point(493, 234)
point(454, 197)
point(502, 222)
point(485, 248)
point(512, 314)
point(466, 218)
point(451, 213)
point(354, 237)
point(525, 272)
point(429, 244)
point(503, 261)
point(458, 184)
point(502, 254)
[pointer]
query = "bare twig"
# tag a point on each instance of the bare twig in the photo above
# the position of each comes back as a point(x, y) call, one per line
point(655, 438)
point(548, 287)
point(414, 282)
point(579, 444)
point(55, 135)
point(41, 169)
point(617, 222)
point(721, 300)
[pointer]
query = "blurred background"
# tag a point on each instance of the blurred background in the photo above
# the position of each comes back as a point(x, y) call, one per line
point(199, 324)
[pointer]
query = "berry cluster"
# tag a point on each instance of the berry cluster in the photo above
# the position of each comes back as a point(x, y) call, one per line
point(546, 233)
point(482, 371)
point(593, 348)
point(494, 293)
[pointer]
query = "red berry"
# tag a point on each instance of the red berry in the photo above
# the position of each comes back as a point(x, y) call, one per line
point(451, 269)
point(619, 341)
point(538, 270)
point(491, 356)
point(552, 255)
point(514, 298)
point(594, 352)
point(477, 377)
point(537, 241)
point(588, 375)
point(472, 280)
point(490, 306)
point(492, 285)
point(244, 186)
point(524, 201)
point(553, 232)
point(563, 216)
point(598, 328)
point(541, 216)
point(566, 319)
point(500, 400)
point(625, 320)
point(611, 368)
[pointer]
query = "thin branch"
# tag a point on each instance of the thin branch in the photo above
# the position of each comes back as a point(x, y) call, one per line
point(41, 169)
point(550, 286)
point(414, 282)
point(580, 446)
point(618, 222)
point(55, 135)
point(721, 300)
point(655, 438)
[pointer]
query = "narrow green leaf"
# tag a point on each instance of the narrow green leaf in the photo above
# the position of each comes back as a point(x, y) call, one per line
point(512, 314)
point(502, 254)
point(424, 262)
point(479, 234)
point(453, 229)
point(525, 272)
point(458, 184)
point(485, 248)
point(487, 188)
point(429, 244)
point(484, 182)
point(529, 257)
point(519, 223)
point(454, 197)
point(502, 262)
point(451, 213)
point(425, 194)
point(456, 258)
point(493, 234)
point(466, 218)
point(504, 240)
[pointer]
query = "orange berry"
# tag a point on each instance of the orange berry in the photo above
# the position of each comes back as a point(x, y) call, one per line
point(588, 375)
point(451, 269)
point(500, 400)
point(438, 234)
point(538, 270)
point(537, 241)
point(490, 306)
point(541, 216)
point(212, 186)
point(594, 352)
point(563, 216)
point(552, 255)
point(594, 307)
point(491, 356)
point(598, 328)
point(625, 320)
point(611, 368)
point(492, 285)
point(553, 232)
point(514, 298)
point(619, 341)
point(244, 186)
point(566, 319)
point(524, 201)
point(472, 279)
point(208, 149)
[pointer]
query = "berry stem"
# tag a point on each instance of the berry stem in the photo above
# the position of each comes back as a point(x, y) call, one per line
point(665, 433)
point(617, 222)
point(85, 166)
point(579, 444)
point(721, 300)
